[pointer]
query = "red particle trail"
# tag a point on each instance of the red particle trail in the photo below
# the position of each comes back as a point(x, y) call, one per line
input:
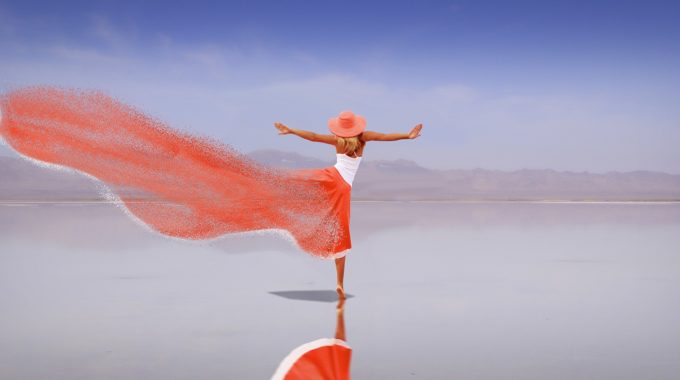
point(180, 185)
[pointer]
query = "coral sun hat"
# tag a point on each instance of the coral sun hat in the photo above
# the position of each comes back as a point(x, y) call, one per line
point(347, 124)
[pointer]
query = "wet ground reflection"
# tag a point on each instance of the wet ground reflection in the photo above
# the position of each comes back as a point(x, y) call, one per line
point(437, 291)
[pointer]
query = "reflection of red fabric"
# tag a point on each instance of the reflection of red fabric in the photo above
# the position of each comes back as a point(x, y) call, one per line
point(322, 359)
point(199, 188)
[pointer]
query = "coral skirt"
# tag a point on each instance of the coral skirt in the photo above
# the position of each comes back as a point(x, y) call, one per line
point(337, 208)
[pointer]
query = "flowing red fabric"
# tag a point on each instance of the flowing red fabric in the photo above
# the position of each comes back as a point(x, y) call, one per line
point(178, 184)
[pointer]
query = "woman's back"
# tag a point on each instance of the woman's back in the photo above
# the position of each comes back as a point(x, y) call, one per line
point(347, 163)
point(347, 166)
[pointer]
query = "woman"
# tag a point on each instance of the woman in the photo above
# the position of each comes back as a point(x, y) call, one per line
point(187, 186)
point(349, 138)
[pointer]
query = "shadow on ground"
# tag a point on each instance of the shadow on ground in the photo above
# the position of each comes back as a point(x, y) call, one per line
point(310, 295)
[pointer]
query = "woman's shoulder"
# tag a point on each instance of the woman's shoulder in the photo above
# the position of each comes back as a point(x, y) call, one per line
point(363, 137)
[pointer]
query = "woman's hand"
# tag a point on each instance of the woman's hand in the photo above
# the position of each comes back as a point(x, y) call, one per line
point(283, 129)
point(415, 132)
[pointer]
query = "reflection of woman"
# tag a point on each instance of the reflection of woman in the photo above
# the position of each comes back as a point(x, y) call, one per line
point(349, 139)
point(321, 359)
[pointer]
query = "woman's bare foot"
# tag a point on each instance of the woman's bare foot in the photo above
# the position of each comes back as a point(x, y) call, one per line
point(341, 292)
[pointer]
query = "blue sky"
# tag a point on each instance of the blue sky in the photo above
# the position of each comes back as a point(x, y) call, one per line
point(581, 86)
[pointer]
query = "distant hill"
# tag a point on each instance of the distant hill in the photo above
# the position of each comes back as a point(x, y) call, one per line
point(406, 180)
point(389, 180)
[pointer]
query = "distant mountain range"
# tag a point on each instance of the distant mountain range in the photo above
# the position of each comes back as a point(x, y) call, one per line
point(390, 180)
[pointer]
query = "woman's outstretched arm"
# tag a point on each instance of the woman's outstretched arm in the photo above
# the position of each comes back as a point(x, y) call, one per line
point(307, 135)
point(377, 136)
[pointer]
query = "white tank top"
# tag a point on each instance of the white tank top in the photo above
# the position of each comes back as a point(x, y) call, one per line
point(347, 166)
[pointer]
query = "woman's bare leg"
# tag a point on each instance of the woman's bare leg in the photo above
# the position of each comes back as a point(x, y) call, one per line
point(340, 270)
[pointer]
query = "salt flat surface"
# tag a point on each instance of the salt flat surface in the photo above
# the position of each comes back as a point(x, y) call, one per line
point(439, 291)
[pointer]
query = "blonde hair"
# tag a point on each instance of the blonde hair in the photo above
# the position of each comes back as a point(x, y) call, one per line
point(349, 144)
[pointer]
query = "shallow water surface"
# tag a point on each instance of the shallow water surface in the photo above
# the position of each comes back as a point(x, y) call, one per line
point(437, 291)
